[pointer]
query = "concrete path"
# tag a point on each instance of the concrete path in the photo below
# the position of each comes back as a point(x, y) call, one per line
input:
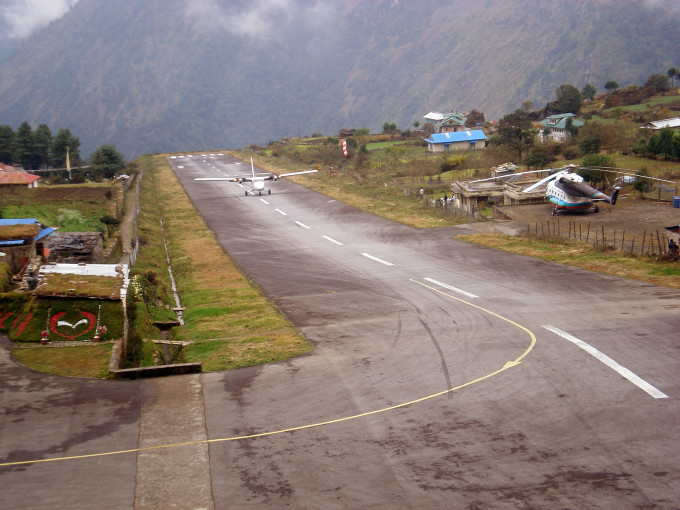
point(172, 412)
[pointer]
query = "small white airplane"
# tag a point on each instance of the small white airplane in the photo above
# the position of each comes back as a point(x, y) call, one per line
point(257, 182)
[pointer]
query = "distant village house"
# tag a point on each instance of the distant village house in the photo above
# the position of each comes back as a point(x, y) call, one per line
point(457, 141)
point(556, 125)
point(11, 176)
point(446, 122)
point(673, 123)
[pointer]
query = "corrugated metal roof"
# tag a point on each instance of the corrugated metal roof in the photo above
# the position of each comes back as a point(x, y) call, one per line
point(17, 221)
point(663, 123)
point(434, 116)
point(473, 135)
point(110, 270)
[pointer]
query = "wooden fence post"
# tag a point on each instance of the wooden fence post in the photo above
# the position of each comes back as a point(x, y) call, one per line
point(623, 238)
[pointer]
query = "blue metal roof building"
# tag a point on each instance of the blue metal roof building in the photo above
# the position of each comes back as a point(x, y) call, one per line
point(474, 139)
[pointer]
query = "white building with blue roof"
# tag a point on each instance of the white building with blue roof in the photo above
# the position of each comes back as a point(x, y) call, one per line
point(463, 141)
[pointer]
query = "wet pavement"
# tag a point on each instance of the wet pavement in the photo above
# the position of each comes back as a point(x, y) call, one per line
point(433, 382)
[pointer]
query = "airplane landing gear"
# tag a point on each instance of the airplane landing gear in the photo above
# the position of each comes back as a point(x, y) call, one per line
point(596, 209)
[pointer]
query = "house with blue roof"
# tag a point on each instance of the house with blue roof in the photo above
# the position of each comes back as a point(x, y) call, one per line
point(469, 140)
point(22, 239)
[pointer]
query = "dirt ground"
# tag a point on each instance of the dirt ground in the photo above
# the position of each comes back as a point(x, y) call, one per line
point(631, 214)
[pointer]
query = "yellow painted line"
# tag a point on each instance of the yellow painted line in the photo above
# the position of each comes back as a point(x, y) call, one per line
point(531, 335)
point(506, 366)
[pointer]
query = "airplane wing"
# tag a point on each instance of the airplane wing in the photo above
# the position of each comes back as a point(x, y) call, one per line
point(298, 173)
point(230, 179)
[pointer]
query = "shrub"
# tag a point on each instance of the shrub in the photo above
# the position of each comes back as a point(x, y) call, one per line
point(452, 163)
point(570, 153)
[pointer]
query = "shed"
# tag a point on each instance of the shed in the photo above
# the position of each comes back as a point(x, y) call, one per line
point(22, 239)
point(673, 123)
point(75, 247)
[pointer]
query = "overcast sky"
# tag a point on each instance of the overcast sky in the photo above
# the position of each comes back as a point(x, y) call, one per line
point(22, 17)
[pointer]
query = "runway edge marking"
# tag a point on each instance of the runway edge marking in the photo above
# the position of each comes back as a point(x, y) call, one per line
point(600, 356)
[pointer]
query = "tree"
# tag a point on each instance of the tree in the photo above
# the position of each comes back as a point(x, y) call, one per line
point(361, 135)
point(42, 139)
point(657, 83)
point(594, 160)
point(672, 73)
point(110, 222)
point(570, 128)
point(539, 158)
point(527, 105)
point(642, 185)
point(63, 140)
point(515, 132)
point(664, 142)
point(416, 124)
point(568, 99)
point(23, 146)
point(389, 126)
point(106, 161)
point(588, 92)
point(474, 118)
point(6, 144)
point(611, 85)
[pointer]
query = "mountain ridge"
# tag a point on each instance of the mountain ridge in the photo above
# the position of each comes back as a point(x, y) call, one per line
point(175, 75)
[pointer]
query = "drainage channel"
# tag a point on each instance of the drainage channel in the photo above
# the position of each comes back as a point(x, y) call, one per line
point(178, 305)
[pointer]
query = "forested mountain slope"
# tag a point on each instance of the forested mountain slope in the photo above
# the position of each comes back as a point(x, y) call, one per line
point(162, 75)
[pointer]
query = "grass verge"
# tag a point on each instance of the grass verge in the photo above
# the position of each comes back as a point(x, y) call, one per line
point(82, 361)
point(642, 268)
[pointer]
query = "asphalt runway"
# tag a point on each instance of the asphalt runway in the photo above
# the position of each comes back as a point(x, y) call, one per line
point(444, 375)
point(398, 315)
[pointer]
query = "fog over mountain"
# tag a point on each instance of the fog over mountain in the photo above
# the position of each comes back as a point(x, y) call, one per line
point(175, 75)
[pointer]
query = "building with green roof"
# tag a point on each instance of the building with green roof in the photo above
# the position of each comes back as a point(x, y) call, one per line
point(557, 127)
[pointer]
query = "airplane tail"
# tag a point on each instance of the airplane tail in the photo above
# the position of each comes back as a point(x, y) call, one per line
point(252, 167)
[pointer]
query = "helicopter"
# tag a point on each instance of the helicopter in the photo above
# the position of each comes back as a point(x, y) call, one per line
point(568, 192)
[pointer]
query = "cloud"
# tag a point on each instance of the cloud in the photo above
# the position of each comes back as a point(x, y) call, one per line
point(670, 5)
point(260, 19)
point(23, 17)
